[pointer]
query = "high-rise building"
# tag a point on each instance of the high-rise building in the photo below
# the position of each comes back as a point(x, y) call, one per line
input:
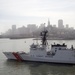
point(49, 26)
point(67, 26)
point(31, 27)
point(54, 25)
point(42, 25)
point(13, 29)
point(60, 23)
point(48, 22)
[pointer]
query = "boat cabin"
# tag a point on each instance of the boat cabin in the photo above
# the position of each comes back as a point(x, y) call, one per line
point(59, 47)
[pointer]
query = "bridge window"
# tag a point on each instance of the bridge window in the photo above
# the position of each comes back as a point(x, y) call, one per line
point(55, 48)
point(59, 48)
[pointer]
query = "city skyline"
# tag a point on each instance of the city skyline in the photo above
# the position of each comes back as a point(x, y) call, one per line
point(23, 12)
point(60, 32)
point(30, 28)
point(58, 25)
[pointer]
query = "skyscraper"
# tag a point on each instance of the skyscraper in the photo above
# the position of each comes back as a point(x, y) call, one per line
point(31, 27)
point(48, 22)
point(60, 23)
point(49, 26)
point(13, 29)
point(67, 26)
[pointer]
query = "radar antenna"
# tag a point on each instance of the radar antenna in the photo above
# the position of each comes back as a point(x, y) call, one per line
point(44, 37)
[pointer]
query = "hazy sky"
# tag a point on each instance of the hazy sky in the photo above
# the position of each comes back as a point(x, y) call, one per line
point(23, 12)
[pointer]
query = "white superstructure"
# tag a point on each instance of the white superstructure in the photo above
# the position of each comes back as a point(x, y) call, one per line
point(42, 53)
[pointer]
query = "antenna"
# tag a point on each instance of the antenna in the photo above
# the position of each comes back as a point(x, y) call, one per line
point(37, 41)
point(44, 35)
point(44, 26)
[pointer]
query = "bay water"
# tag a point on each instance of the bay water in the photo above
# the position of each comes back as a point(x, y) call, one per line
point(11, 67)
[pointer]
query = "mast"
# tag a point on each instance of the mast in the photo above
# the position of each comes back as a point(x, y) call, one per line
point(44, 37)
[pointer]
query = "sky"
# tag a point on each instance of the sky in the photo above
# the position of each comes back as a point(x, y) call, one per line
point(23, 12)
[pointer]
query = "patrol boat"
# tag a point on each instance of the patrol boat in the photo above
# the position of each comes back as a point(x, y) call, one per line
point(42, 53)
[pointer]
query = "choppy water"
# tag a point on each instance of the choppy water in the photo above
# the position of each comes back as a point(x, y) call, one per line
point(10, 67)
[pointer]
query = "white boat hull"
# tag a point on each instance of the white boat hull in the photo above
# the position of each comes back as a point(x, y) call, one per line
point(68, 58)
